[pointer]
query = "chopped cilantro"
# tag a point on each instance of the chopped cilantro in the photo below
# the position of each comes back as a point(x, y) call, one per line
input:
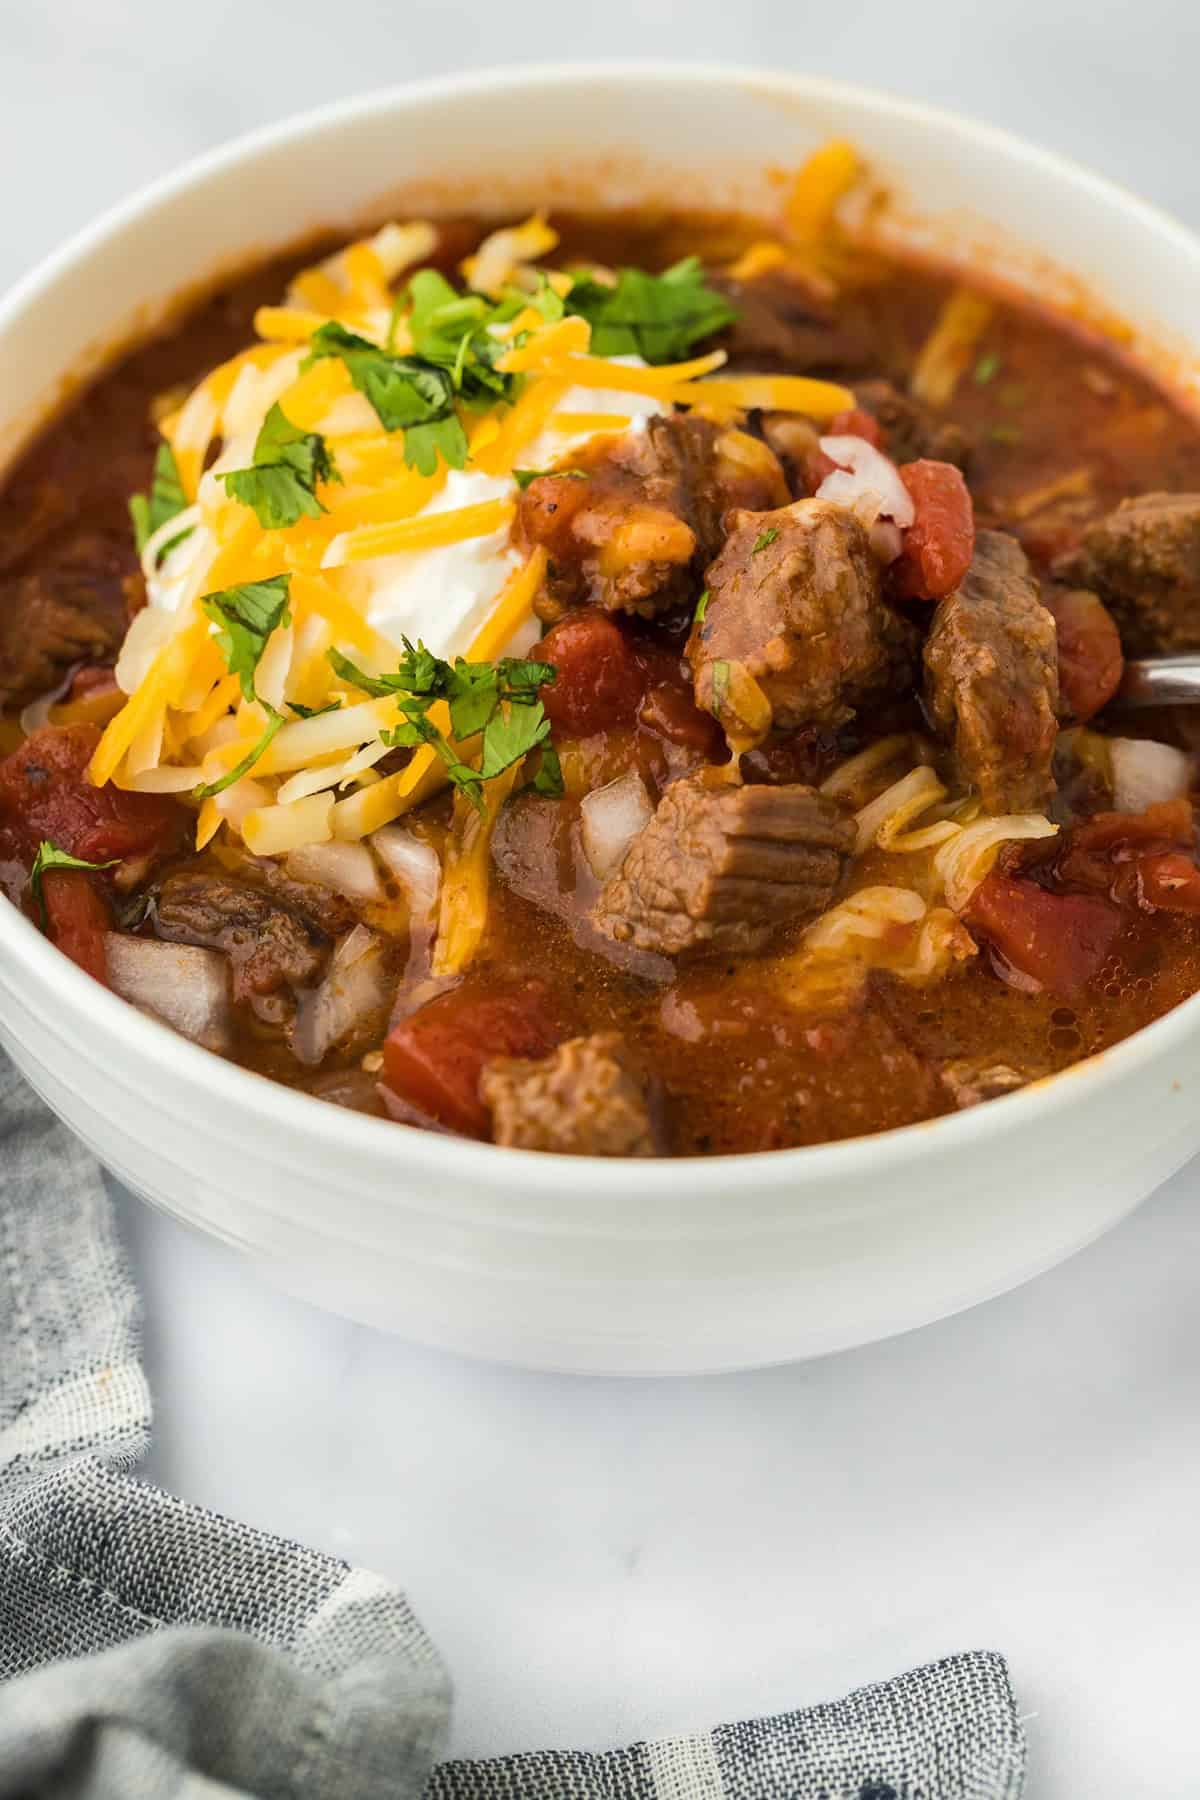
point(408, 394)
point(208, 789)
point(312, 712)
point(720, 686)
point(496, 701)
point(150, 512)
point(764, 540)
point(49, 856)
point(658, 317)
point(288, 463)
point(523, 477)
point(247, 616)
point(549, 778)
point(987, 366)
point(701, 608)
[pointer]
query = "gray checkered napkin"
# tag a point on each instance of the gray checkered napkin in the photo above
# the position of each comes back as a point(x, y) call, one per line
point(151, 1648)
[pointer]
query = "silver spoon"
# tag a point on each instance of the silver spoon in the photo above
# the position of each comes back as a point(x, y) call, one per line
point(1161, 681)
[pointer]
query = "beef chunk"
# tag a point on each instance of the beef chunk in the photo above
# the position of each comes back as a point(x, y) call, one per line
point(71, 609)
point(271, 946)
point(633, 535)
point(785, 323)
point(580, 1100)
point(794, 601)
point(719, 866)
point(1144, 562)
point(991, 678)
point(911, 430)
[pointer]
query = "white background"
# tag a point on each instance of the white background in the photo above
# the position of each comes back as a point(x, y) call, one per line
point(601, 1560)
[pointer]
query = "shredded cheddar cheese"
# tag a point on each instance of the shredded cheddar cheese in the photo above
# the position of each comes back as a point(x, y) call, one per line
point(321, 522)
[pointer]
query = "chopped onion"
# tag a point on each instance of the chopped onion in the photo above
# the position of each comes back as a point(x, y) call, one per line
point(885, 540)
point(1145, 773)
point(866, 481)
point(355, 994)
point(184, 986)
point(612, 816)
point(36, 714)
point(416, 866)
point(346, 868)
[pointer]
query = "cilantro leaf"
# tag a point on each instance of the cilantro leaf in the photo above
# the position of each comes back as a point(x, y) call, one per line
point(312, 712)
point(523, 477)
point(247, 616)
point(497, 702)
point(288, 463)
point(409, 394)
point(49, 856)
point(764, 540)
point(510, 735)
point(549, 778)
point(658, 317)
point(149, 512)
point(209, 788)
point(987, 367)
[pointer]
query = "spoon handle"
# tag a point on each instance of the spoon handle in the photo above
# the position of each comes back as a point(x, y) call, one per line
point(1161, 681)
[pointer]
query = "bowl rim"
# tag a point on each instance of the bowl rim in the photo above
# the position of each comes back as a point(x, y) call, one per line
point(217, 1081)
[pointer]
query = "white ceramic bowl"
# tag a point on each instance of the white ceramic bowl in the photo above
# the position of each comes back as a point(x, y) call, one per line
point(572, 1263)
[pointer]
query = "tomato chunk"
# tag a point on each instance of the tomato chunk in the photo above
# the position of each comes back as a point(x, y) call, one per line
point(1090, 659)
point(434, 1058)
point(601, 683)
point(77, 918)
point(1167, 822)
point(45, 793)
point(1059, 941)
point(940, 542)
point(854, 422)
point(1169, 883)
point(1141, 860)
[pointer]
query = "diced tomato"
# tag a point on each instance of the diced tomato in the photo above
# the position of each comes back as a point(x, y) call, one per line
point(1168, 822)
point(77, 918)
point(1169, 883)
point(1137, 859)
point(854, 422)
point(1090, 659)
point(434, 1058)
point(547, 510)
point(1060, 941)
point(45, 794)
point(600, 682)
point(940, 542)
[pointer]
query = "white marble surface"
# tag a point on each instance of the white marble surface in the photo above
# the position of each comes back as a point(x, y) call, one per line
point(601, 1560)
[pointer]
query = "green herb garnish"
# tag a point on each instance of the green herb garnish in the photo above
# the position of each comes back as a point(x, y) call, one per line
point(658, 317)
point(720, 686)
point(247, 616)
point(209, 788)
point(496, 701)
point(701, 608)
point(764, 540)
point(1005, 434)
point(49, 856)
point(408, 394)
point(150, 512)
point(523, 477)
point(288, 463)
point(312, 712)
point(987, 366)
